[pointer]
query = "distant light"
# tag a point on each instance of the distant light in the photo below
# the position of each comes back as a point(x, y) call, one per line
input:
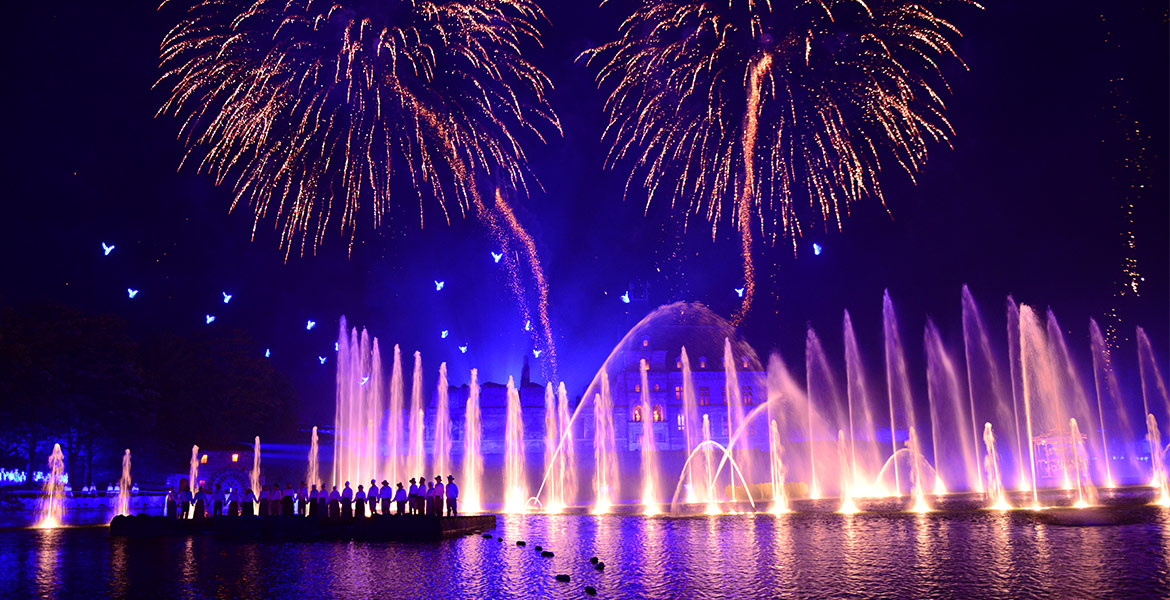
point(443, 334)
point(209, 318)
point(817, 249)
point(310, 324)
point(463, 349)
point(107, 249)
point(439, 285)
point(495, 257)
point(131, 292)
point(536, 353)
point(739, 292)
point(626, 297)
point(267, 352)
point(322, 359)
point(226, 297)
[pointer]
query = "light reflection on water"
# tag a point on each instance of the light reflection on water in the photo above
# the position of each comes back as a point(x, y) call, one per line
point(987, 554)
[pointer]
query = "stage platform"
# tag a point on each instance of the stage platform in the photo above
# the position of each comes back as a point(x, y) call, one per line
point(397, 528)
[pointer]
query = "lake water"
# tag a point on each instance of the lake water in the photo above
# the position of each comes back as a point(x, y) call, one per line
point(978, 554)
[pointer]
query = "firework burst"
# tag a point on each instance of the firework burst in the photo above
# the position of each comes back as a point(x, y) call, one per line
point(773, 114)
point(309, 110)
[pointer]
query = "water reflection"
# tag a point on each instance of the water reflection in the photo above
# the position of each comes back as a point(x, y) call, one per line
point(982, 554)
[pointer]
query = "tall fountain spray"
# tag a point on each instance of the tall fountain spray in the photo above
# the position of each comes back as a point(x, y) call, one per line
point(848, 506)
point(555, 500)
point(1153, 390)
point(442, 449)
point(51, 507)
point(692, 427)
point(193, 476)
point(897, 382)
point(1027, 475)
point(917, 479)
point(776, 469)
point(865, 449)
point(472, 486)
point(1158, 480)
point(709, 495)
point(358, 408)
point(123, 507)
point(313, 471)
point(393, 444)
point(651, 497)
point(996, 493)
point(566, 458)
point(1105, 384)
point(605, 479)
point(1086, 493)
point(254, 474)
point(955, 443)
point(734, 396)
point(515, 479)
point(416, 455)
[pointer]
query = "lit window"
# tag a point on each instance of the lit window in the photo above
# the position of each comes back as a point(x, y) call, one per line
point(704, 396)
point(203, 459)
point(678, 392)
point(702, 362)
point(235, 458)
point(679, 420)
point(725, 394)
point(638, 388)
point(747, 394)
point(745, 362)
point(658, 416)
point(656, 387)
point(638, 414)
point(645, 342)
point(678, 363)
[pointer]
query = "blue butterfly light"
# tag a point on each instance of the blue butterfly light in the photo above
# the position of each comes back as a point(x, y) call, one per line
point(626, 297)
point(439, 285)
point(226, 297)
point(463, 349)
point(209, 318)
point(739, 292)
point(131, 292)
point(268, 353)
point(443, 334)
point(817, 249)
point(322, 359)
point(495, 257)
point(536, 354)
point(365, 380)
point(528, 326)
point(107, 249)
point(310, 324)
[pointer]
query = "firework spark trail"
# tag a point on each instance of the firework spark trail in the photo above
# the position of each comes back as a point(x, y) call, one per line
point(828, 88)
point(308, 108)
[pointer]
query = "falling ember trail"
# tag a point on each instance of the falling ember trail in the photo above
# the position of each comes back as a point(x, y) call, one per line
point(747, 193)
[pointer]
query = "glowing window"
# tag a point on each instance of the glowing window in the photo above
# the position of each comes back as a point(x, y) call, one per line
point(656, 387)
point(638, 388)
point(702, 362)
point(645, 342)
point(678, 363)
point(235, 458)
point(203, 459)
point(658, 415)
point(638, 414)
point(747, 394)
point(679, 420)
point(704, 396)
point(745, 362)
point(678, 392)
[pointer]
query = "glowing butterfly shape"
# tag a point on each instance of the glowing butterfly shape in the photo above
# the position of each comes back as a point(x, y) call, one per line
point(495, 257)
point(463, 349)
point(226, 297)
point(322, 359)
point(443, 334)
point(131, 292)
point(209, 318)
point(268, 353)
point(817, 249)
point(336, 348)
point(309, 325)
point(439, 285)
point(536, 354)
point(365, 380)
point(108, 248)
point(626, 297)
point(739, 292)
point(528, 326)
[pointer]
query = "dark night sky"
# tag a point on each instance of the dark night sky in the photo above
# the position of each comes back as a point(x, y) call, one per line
point(1028, 202)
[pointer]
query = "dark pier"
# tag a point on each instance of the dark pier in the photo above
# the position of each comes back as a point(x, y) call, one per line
point(407, 528)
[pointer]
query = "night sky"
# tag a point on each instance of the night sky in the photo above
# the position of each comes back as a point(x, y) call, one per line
point(1028, 202)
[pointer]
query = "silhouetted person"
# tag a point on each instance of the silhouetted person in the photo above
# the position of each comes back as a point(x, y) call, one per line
point(263, 501)
point(452, 492)
point(200, 504)
point(439, 494)
point(347, 502)
point(334, 503)
point(217, 501)
point(372, 497)
point(359, 502)
point(185, 500)
point(429, 506)
point(385, 494)
point(234, 498)
point(286, 503)
point(400, 498)
point(412, 496)
point(312, 506)
point(249, 503)
point(303, 500)
point(274, 497)
point(172, 509)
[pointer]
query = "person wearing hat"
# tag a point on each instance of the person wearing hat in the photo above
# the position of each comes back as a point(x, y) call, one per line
point(372, 498)
point(452, 492)
point(385, 494)
point(334, 503)
point(437, 510)
point(412, 496)
point(399, 499)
